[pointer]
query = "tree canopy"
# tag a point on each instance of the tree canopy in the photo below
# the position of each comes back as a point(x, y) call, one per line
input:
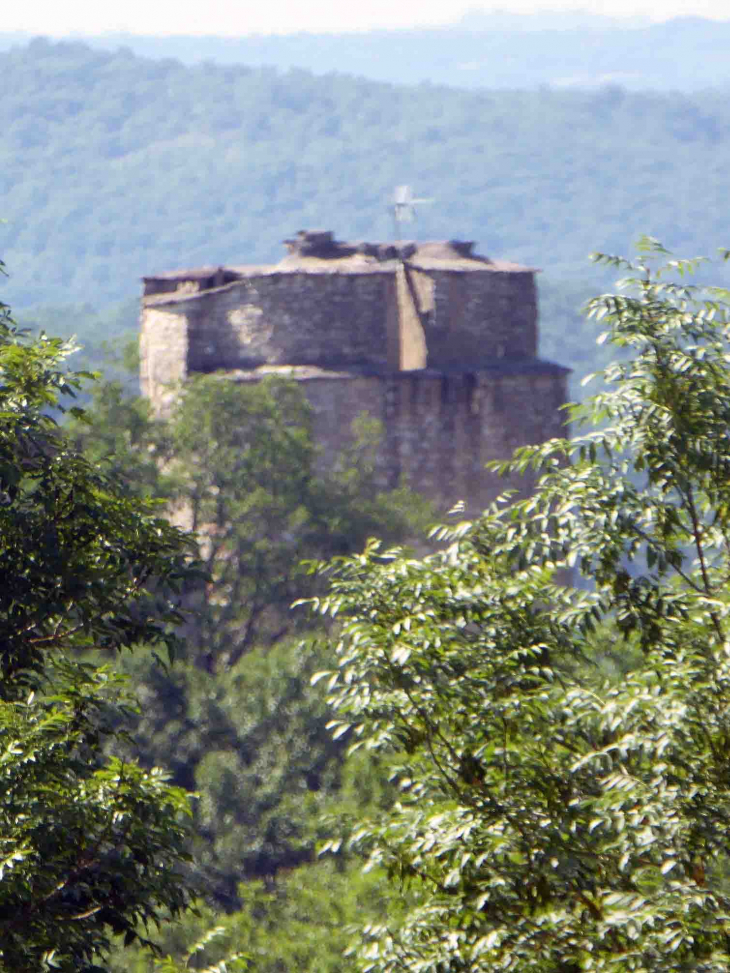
point(556, 814)
point(96, 849)
point(236, 719)
point(89, 848)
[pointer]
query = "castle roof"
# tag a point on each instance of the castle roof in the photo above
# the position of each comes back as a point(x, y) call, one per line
point(317, 252)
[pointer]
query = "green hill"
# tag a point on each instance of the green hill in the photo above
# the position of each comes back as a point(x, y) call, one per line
point(113, 166)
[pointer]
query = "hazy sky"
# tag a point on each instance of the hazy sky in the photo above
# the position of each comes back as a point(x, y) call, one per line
point(236, 17)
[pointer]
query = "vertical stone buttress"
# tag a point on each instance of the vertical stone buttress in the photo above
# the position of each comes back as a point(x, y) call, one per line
point(413, 353)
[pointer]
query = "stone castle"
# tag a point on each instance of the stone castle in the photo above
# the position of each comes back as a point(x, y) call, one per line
point(433, 340)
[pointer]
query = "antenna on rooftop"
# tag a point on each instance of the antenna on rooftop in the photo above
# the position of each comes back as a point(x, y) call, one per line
point(403, 208)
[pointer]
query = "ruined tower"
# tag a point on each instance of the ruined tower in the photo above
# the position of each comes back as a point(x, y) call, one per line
point(435, 341)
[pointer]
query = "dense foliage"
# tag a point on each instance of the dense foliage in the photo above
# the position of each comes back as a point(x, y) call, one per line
point(89, 848)
point(303, 922)
point(92, 847)
point(551, 818)
point(236, 719)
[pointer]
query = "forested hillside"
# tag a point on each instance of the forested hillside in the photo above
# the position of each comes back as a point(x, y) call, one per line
point(113, 166)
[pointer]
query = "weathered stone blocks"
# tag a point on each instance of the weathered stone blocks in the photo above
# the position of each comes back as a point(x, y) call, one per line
point(436, 343)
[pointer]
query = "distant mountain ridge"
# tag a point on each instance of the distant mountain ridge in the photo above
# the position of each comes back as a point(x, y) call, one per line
point(497, 51)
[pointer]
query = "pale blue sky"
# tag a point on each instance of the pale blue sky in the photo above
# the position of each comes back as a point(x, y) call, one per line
point(237, 17)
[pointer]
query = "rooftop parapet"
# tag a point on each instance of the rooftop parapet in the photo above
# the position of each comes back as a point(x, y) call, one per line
point(393, 306)
point(318, 252)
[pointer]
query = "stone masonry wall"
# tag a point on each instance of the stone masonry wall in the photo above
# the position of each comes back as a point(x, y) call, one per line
point(295, 319)
point(443, 358)
point(478, 317)
point(163, 350)
point(441, 429)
